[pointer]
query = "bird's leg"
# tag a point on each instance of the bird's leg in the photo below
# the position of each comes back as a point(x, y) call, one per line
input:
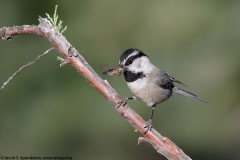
point(149, 122)
point(124, 101)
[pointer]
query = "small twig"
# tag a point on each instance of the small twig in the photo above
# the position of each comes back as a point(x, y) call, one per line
point(25, 66)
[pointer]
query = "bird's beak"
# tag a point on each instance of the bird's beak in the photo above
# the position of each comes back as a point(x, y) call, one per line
point(120, 66)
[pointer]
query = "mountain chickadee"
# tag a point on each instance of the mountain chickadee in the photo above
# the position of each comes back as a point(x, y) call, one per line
point(147, 82)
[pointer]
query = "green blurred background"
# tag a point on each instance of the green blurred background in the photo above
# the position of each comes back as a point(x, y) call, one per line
point(47, 110)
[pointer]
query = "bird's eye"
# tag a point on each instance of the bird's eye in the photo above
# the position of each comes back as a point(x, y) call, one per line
point(128, 62)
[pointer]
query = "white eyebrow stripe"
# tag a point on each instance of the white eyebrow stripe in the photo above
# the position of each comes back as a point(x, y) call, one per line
point(130, 55)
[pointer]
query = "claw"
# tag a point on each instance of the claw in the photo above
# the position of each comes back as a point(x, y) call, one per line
point(148, 126)
point(122, 103)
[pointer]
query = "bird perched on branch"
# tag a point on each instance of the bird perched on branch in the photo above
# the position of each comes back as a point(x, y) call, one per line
point(147, 82)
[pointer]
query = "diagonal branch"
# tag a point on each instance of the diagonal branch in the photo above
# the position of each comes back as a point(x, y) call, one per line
point(45, 29)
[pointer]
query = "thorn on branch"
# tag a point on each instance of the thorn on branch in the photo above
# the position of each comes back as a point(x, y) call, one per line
point(142, 139)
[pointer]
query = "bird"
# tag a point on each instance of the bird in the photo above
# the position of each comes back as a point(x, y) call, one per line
point(147, 82)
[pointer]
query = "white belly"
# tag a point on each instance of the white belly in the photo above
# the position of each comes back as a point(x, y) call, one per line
point(148, 92)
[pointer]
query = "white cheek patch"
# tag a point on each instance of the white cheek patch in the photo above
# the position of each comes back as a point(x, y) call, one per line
point(146, 65)
point(141, 64)
point(135, 66)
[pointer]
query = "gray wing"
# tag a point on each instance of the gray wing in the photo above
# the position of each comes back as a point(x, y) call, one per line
point(174, 80)
point(164, 80)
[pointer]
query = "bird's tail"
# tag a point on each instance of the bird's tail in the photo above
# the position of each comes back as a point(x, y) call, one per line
point(187, 94)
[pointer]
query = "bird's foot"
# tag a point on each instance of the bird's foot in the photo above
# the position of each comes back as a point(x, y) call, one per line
point(148, 126)
point(123, 102)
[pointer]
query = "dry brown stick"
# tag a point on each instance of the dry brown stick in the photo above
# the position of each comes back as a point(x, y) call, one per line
point(45, 29)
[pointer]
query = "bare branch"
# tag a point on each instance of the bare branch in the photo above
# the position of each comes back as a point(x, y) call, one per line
point(45, 29)
point(25, 66)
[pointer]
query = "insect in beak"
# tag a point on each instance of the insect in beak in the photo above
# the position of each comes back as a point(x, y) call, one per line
point(115, 71)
